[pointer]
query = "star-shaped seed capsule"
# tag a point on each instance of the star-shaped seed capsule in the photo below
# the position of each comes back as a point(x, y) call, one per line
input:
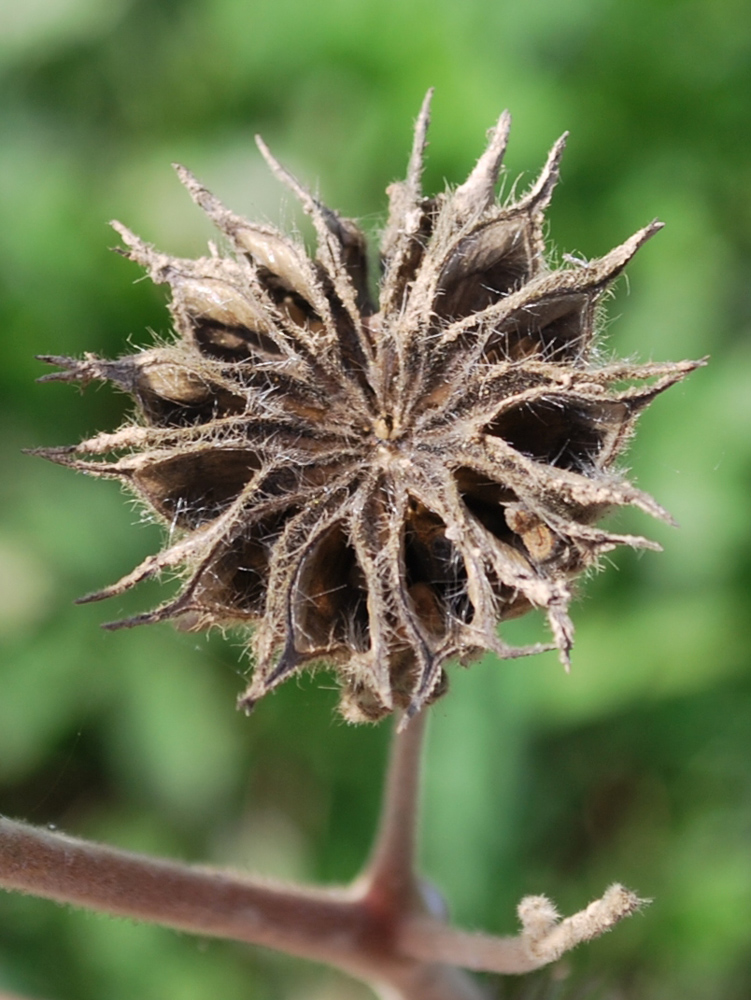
point(377, 486)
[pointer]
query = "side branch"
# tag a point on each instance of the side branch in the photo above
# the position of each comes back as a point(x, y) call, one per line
point(543, 939)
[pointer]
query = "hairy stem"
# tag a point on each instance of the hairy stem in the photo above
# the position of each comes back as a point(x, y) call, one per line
point(319, 924)
point(355, 929)
point(543, 939)
point(379, 930)
point(392, 864)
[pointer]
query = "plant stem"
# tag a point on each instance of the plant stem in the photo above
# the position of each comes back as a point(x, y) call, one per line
point(315, 923)
point(391, 869)
point(354, 929)
point(379, 930)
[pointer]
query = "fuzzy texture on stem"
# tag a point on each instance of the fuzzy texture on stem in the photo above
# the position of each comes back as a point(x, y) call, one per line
point(379, 930)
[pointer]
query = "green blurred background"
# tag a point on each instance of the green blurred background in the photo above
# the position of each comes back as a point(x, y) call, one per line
point(636, 767)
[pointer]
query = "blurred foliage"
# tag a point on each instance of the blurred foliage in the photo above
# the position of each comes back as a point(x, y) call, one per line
point(636, 766)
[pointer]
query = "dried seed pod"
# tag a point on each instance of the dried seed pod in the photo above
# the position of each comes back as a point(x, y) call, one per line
point(378, 487)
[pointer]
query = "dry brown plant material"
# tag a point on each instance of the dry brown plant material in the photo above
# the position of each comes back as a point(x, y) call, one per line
point(378, 487)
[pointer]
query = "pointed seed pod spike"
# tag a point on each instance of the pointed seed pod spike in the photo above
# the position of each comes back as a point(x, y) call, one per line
point(538, 197)
point(615, 372)
point(324, 218)
point(593, 277)
point(104, 470)
point(72, 368)
point(347, 274)
point(128, 436)
point(606, 268)
point(403, 240)
point(83, 370)
point(200, 194)
point(172, 609)
point(637, 542)
point(639, 398)
point(250, 697)
point(58, 456)
point(138, 250)
point(303, 195)
point(606, 541)
point(58, 376)
point(51, 454)
point(97, 595)
point(478, 192)
point(516, 652)
point(417, 155)
point(225, 220)
point(149, 567)
point(637, 498)
point(128, 237)
point(148, 618)
point(261, 242)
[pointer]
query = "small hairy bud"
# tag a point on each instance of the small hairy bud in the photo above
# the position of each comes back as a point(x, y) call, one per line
point(546, 939)
point(378, 486)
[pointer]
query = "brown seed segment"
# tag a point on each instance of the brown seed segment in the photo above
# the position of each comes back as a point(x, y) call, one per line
point(378, 487)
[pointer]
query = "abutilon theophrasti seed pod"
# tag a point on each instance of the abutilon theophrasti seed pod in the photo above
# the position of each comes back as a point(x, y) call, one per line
point(378, 486)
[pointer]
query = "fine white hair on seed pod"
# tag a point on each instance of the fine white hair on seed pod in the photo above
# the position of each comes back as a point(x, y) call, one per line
point(378, 485)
